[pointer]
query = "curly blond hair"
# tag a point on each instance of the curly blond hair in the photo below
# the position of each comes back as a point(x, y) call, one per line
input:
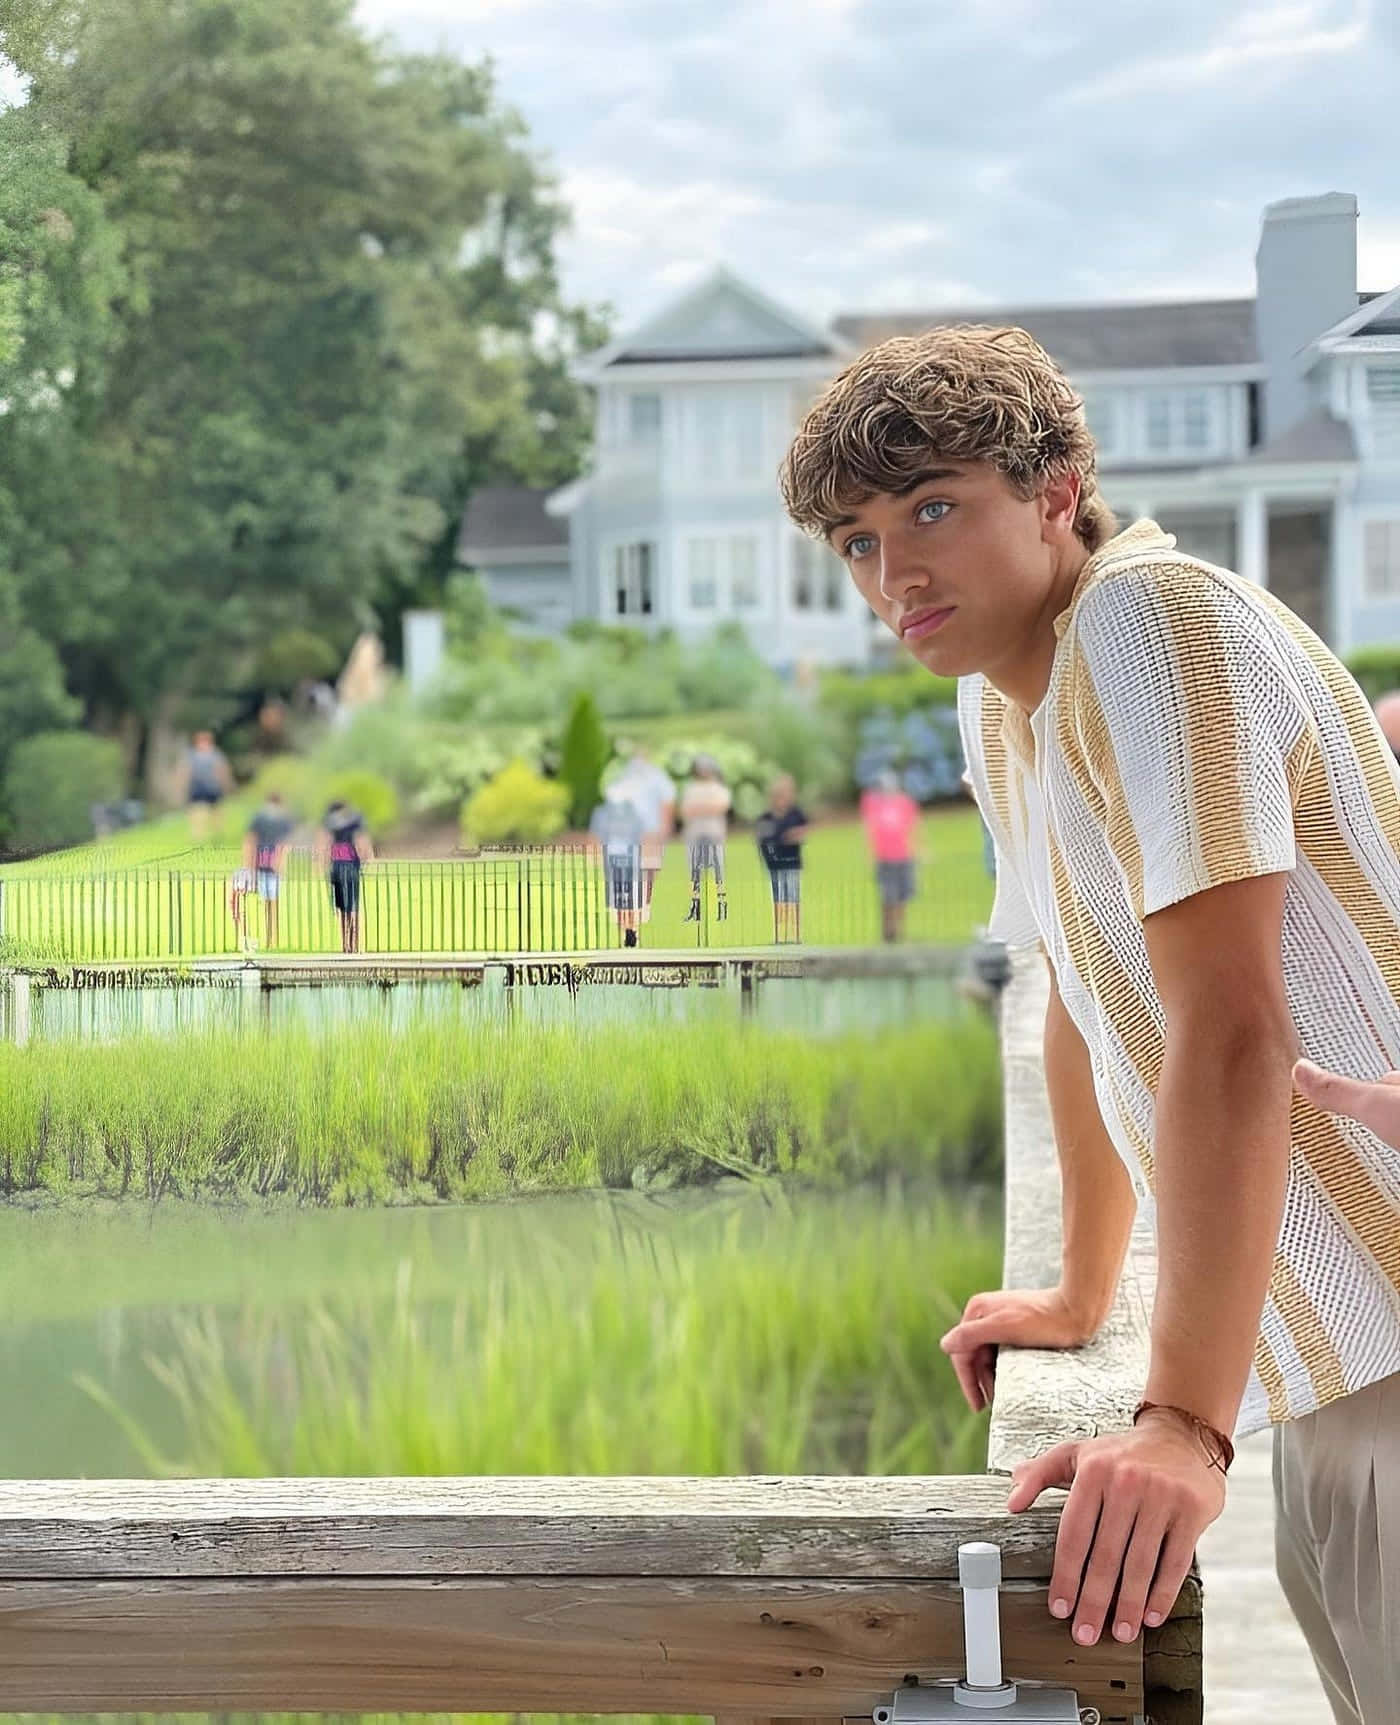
point(964, 392)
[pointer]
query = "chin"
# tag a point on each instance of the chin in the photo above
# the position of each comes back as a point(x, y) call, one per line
point(943, 658)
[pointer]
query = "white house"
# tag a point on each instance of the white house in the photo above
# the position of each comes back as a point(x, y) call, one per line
point(1264, 432)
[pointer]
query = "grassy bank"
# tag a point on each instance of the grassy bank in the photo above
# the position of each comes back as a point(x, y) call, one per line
point(454, 1111)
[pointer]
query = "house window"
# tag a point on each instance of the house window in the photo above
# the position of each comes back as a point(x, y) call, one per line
point(722, 574)
point(1383, 559)
point(643, 419)
point(1179, 422)
point(1383, 399)
point(1195, 421)
point(743, 574)
point(726, 437)
point(702, 579)
point(818, 577)
point(1101, 415)
point(632, 579)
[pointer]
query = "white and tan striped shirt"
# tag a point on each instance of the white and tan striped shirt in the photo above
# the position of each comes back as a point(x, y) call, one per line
point(1196, 732)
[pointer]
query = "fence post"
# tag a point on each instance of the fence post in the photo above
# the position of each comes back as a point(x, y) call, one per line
point(177, 928)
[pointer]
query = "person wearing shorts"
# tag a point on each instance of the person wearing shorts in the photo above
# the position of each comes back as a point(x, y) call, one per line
point(618, 828)
point(345, 848)
point(705, 804)
point(208, 781)
point(264, 849)
point(650, 791)
point(780, 831)
point(891, 817)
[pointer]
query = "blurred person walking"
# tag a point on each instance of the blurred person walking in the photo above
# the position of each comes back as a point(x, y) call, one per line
point(705, 805)
point(343, 847)
point(208, 780)
point(617, 829)
point(891, 819)
point(780, 831)
point(264, 854)
point(650, 791)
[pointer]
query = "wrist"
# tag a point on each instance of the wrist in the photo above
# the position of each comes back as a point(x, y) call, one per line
point(1086, 1309)
point(1214, 1443)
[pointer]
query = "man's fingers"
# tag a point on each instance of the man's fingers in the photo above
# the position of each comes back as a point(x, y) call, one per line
point(966, 1368)
point(1078, 1520)
point(981, 1332)
point(1139, 1572)
point(1117, 1517)
point(1374, 1104)
point(1173, 1566)
point(1054, 1468)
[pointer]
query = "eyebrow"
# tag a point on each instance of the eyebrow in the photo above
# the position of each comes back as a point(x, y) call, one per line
point(925, 478)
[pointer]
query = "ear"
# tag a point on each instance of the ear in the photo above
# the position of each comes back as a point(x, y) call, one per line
point(1059, 504)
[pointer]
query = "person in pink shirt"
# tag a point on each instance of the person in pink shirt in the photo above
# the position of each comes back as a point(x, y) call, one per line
point(891, 817)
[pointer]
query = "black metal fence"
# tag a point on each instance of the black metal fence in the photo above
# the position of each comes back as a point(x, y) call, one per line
point(553, 899)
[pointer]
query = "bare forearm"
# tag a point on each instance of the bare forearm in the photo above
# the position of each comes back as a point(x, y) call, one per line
point(1098, 1204)
point(1221, 1172)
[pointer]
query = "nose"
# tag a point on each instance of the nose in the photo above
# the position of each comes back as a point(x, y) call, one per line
point(902, 572)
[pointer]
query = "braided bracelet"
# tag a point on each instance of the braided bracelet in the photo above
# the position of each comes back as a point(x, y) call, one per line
point(1224, 1451)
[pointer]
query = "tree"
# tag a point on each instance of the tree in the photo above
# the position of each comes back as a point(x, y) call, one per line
point(583, 755)
point(324, 270)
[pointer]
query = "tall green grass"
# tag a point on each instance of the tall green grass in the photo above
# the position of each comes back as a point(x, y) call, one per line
point(434, 1111)
point(778, 1332)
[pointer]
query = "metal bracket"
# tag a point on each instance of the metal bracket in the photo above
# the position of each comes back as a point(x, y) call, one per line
point(983, 1694)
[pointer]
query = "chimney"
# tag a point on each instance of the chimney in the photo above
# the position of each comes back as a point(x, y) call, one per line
point(1305, 268)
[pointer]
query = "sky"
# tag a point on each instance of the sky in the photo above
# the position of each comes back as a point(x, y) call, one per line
point(850, 155)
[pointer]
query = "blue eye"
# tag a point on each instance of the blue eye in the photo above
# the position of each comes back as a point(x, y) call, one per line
point(933, 503)
point(859, 545)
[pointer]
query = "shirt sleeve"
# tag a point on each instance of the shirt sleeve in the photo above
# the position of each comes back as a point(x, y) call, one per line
point(1194, 731)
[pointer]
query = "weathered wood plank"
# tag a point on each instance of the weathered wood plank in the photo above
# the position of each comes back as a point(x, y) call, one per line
point(806, 1527)
point(1043, 1398)
point(773, 1649)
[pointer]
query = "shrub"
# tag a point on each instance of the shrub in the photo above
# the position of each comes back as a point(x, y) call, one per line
point(924, 748)
point(853, 696)
point(584, 753)
point(295, 656)
point(52, 782)
point(375, 798)
point(517, 806)
point(1377, 669)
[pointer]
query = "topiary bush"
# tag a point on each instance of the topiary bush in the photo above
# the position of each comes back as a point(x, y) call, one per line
point(518, 806)
point(374, 797)
point(584, 753)
point(52, 782)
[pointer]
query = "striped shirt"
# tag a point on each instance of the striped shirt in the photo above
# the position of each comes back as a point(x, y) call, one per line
point(1195, 732)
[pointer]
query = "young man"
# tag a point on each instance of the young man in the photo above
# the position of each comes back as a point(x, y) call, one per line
point(891, 819)
point(264, 852)
point(344, 848)
point(1196, 814)
point(650, 791)
point(780, 831)
point(705, 804)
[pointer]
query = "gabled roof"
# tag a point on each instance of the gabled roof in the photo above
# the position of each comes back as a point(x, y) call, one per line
point(1378, 315)
point(510, 518)
point(1097, 337)
point(719, 318)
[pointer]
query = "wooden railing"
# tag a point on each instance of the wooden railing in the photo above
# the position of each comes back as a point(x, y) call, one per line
point(744, 1599)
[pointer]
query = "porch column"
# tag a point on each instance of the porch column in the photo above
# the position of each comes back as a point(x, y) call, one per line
point(1252, 537)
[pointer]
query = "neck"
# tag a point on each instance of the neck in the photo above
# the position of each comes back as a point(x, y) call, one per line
point(1023, 675)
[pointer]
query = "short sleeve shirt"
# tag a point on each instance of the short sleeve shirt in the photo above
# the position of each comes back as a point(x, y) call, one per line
point(1195, 733)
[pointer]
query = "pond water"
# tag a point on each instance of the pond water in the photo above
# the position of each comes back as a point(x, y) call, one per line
point(515, 1310)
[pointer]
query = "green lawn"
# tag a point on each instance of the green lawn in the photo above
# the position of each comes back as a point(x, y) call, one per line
point(139, 897)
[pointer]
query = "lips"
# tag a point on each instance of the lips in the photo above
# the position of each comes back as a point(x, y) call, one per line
point(923, 623)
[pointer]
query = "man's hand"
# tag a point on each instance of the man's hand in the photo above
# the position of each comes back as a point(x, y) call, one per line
point(1138, 1503)
point(1373, 1103)
point(1014, 1317)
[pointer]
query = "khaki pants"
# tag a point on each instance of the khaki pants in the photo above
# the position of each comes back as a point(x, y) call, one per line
point(1337, 1540)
